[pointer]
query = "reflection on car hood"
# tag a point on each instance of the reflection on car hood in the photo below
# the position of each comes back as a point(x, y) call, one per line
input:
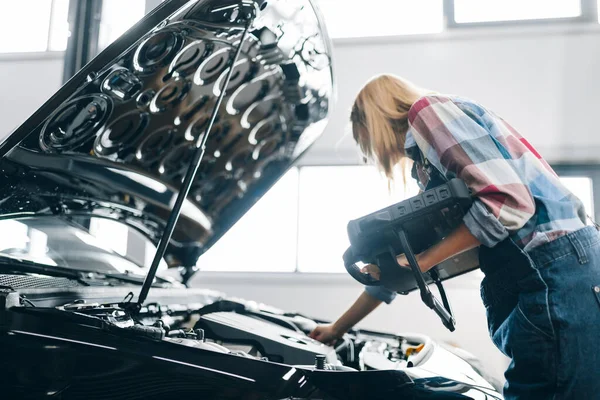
point(116, 140)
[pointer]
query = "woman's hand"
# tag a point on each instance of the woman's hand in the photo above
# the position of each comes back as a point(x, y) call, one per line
point(402, 260)
point(372, 270)
point(327, 334)
point(375, 272)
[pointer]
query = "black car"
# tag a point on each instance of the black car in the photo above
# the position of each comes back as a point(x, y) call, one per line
point(174, 131)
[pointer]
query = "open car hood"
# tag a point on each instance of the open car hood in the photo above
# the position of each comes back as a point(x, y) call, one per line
point(115, 141)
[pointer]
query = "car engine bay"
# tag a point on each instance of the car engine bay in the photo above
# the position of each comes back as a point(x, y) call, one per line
point(203, 330)
point(249, 330)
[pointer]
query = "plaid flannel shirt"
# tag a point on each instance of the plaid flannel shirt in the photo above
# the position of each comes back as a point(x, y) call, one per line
point(517, 194)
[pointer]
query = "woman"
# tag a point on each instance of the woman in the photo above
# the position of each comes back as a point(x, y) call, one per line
point(541, 262)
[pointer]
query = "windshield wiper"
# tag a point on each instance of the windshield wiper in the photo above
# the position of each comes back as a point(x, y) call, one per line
point(133, 278)
point(15, 264)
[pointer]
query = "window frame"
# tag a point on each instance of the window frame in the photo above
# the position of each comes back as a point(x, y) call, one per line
point(589, 14)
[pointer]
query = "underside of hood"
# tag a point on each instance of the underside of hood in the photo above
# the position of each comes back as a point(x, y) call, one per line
point(116, 140)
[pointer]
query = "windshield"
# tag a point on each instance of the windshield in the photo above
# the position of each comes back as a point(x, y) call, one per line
point(80, 245)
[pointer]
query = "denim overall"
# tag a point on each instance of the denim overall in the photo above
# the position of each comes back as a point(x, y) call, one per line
point(543, 311)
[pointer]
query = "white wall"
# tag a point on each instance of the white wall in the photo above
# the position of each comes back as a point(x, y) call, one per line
point(26, 82)
point(543, 81)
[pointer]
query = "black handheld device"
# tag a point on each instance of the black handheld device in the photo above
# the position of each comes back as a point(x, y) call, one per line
point(410, 227)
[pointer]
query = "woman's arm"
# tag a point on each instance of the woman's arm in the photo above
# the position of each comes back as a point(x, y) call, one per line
point(461, 239)
point(357, 311)
point(458, 241)
point(456, 138)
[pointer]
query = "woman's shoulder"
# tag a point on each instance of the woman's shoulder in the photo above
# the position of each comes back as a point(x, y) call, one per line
point(435, 97)
point(439, 100)
point(428, 100)
point(466, 102)
point(432, 98)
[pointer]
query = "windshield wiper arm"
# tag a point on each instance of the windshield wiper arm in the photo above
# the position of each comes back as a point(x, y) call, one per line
point(126, 277)
point(14, 264)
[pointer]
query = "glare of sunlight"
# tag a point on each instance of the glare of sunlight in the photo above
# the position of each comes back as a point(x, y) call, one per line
point(13, 235)
point(110, 235)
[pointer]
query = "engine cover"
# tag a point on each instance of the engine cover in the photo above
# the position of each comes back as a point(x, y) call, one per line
point(275, 342)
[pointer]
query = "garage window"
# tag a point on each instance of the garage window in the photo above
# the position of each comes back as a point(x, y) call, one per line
point(33, 25)
point(48, 27)
point(584, 181)
point(300, 224)
point(354, 18)
point(581, 186)
point(462, 13)
point(471, 11)
point(59, 25)
point(329, 198)
point(263, 240)
point(117, 17)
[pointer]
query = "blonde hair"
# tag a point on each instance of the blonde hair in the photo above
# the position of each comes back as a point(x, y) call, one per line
point(379, 120)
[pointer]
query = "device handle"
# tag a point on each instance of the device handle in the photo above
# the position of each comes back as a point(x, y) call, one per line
point(443, 311)
point(445, 315)
point(436, 279)
point(350, 260)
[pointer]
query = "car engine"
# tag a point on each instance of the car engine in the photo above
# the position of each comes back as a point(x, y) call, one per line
point(235, 329)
